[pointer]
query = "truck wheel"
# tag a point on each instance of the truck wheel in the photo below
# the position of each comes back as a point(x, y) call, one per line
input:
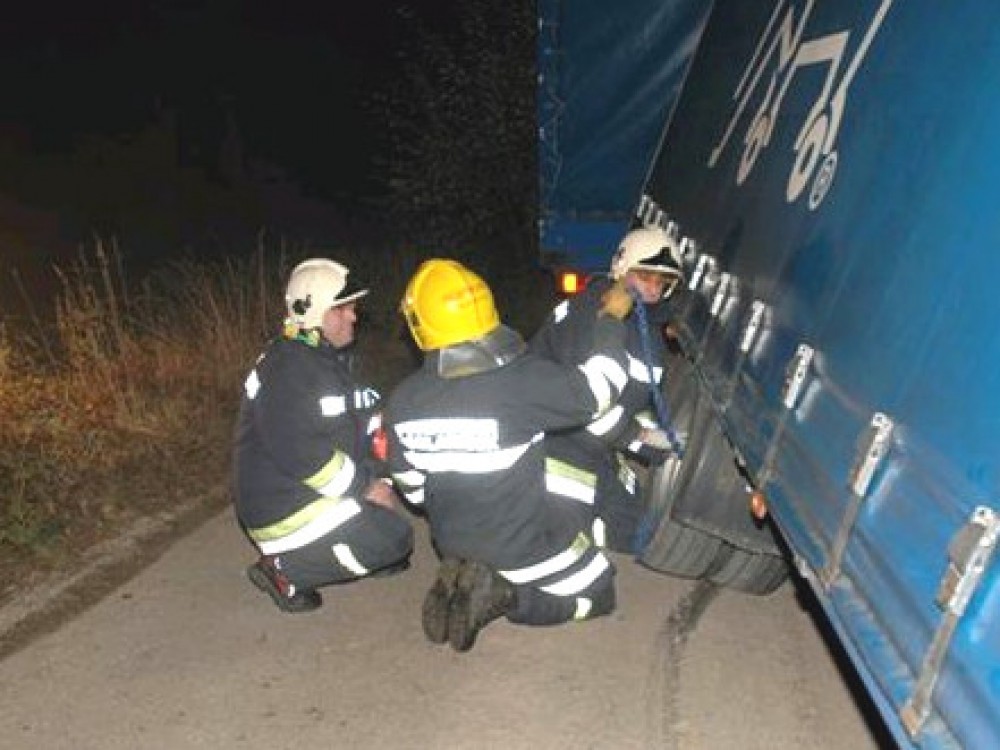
point(675, 548)
point(685, 552)
point(756, 573)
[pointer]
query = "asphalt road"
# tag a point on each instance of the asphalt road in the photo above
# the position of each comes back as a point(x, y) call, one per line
point(187, 654)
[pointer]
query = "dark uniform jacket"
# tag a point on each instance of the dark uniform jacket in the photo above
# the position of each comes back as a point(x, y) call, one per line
point(470, 451)
point(304, 435)
point(566, 337)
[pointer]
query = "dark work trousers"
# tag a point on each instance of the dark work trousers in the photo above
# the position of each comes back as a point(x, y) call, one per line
point(617, 498)
point(377, 538)
point(619, 504)
point(537, 607)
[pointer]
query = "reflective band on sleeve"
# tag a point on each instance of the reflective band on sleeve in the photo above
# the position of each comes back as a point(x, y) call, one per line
point(552, 565)
point(563, 479)
point(252, 385)
point(409, 479)
point(560, 311)
point(604, 424)
point(602, 373)
point(580, 580)
point(610, 369)
point(334, 478)
point(645, 419)
point(309, 524)
point(345, 556)
point(332, 406)
point(598, 386)
point(411, 484)
point(600, 533)
point(415, 496)
point(583, 607)
point(637, 370)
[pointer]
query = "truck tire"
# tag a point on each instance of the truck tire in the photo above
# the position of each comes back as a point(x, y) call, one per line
point(676, 548)
point(756, 573)
point(684, 552)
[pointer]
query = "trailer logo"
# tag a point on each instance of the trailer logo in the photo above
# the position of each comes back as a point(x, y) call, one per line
point(815, 145)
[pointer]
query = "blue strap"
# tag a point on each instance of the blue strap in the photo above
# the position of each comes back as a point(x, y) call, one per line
point(651, 519)
point(659, 403)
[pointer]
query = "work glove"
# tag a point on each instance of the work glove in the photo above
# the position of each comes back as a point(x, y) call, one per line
point(654, 447)
point(655, 438)
point(650, 456)
point(617, 301)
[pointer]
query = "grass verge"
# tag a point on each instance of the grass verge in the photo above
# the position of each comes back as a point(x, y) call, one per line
point(122, 409)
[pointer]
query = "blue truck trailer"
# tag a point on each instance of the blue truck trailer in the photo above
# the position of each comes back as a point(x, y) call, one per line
point(830, 170)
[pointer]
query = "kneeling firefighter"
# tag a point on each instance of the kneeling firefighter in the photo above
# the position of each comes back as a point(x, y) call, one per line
point(466, 444)
point(649, 263)
point(309, 493)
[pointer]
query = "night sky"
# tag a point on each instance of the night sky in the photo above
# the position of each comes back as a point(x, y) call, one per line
point(293, 76)
point(285, 86)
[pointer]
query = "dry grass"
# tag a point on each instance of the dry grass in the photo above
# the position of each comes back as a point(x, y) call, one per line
point(127, 405)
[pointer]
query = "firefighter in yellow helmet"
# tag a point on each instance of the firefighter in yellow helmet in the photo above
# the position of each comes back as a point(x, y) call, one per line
point(466, 444)
point(313, 499)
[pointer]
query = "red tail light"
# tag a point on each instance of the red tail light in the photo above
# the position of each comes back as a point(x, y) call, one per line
point(571, 282)
point(380, 444)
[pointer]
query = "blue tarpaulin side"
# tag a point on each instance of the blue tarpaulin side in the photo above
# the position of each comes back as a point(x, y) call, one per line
point(838, 164)
point(609, 76)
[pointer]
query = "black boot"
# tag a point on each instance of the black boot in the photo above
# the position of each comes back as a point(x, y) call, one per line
point(267, 576)
point(481, 596)
point(434, 617)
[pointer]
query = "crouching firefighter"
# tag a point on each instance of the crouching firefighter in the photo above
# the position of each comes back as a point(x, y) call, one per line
point(308, 491)
point(466, 444)
point(648, 261)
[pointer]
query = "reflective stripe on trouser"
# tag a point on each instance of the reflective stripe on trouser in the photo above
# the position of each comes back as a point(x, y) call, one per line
point(536, 607)
point(563, 587)
point(305, 526)
point(564, 479)
point(373, 539)
point(571, 492)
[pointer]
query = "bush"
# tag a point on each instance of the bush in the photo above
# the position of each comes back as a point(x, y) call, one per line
point(125, 404)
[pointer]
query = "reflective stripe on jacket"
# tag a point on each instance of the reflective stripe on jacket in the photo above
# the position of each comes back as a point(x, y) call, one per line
point(470, 450)
point(302, 447)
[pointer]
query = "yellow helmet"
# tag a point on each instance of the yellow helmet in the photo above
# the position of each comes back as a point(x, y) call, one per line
point(445, 303)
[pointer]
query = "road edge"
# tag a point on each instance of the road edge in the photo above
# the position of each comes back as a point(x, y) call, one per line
point(44, 607)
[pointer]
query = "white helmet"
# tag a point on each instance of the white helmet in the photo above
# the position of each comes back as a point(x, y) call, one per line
point(649, 249)
point(314, 287)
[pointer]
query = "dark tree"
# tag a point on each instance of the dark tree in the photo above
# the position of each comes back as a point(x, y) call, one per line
point(461, 169)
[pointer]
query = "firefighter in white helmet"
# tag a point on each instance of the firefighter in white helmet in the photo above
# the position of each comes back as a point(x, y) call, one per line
point(466, 444)
point(309, 492)
point(649, 262)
